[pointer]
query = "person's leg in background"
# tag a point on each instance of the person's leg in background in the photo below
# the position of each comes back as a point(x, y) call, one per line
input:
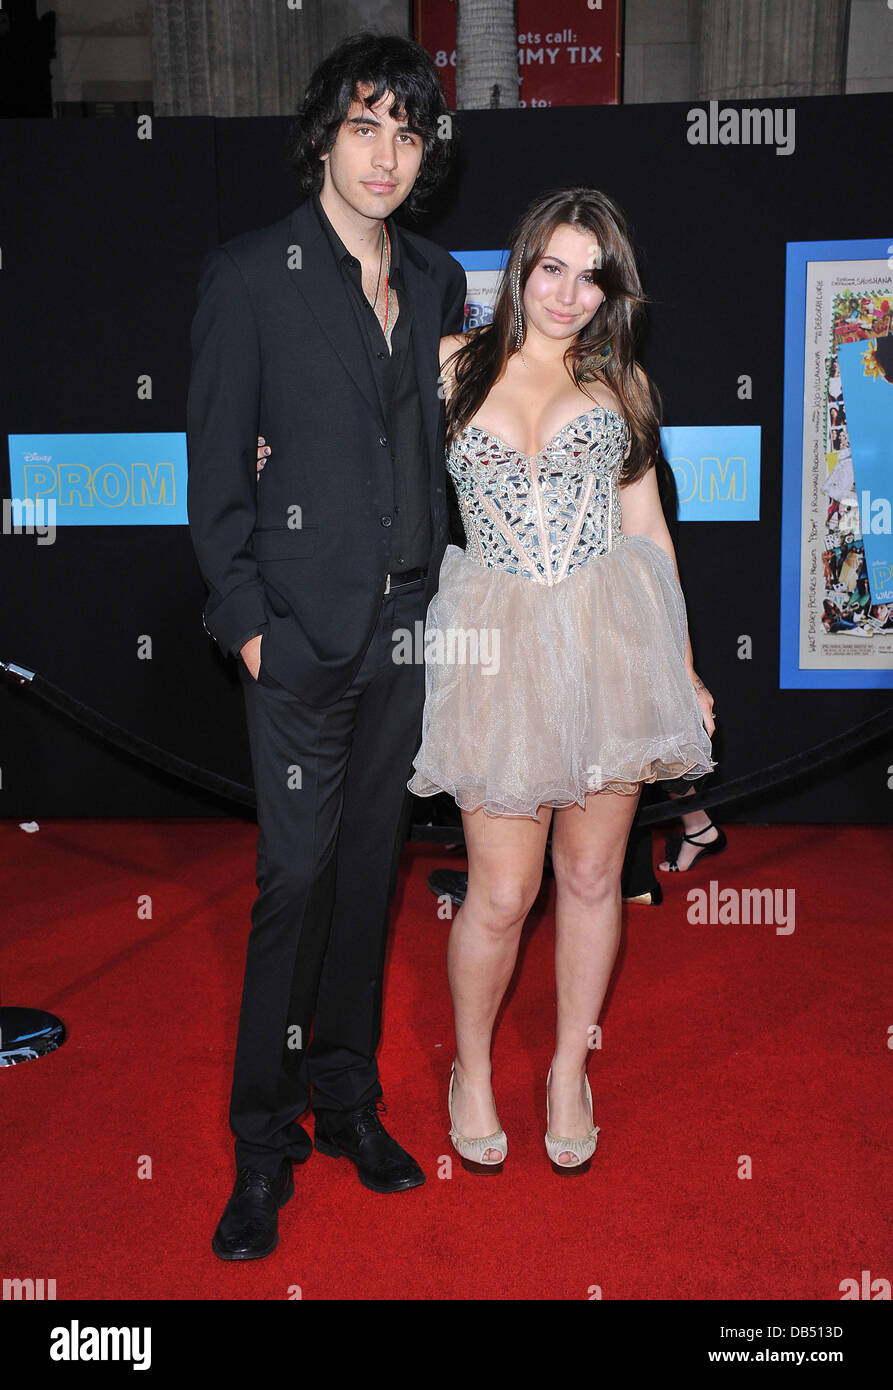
point(699, 838)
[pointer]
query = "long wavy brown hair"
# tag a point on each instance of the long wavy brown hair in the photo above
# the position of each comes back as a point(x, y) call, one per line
point(602, 350)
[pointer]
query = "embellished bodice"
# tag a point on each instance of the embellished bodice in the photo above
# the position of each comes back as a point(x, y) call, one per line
point(541, 515)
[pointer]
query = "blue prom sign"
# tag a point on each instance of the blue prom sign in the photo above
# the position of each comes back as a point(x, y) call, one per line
point(717, 470)
point(101, 479)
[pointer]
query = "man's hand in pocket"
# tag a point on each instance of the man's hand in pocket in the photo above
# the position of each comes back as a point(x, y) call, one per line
point(250, 654)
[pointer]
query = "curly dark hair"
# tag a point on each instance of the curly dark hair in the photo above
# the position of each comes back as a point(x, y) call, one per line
point(389, 63)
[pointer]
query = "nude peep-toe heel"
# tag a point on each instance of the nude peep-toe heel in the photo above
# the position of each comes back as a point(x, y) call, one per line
point(472, 1150)
point(583, 1148)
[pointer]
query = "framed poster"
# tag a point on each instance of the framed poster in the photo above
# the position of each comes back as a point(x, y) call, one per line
point(483, 274)
point(837, 547)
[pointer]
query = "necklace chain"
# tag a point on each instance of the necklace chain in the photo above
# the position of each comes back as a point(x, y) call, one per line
point(386, 257)
point(378, 281)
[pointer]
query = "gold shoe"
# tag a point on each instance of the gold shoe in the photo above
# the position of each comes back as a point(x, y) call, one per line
point(583, 1148)
point(472, 1150)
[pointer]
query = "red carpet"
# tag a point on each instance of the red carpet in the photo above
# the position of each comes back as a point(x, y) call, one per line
point(719, 1041)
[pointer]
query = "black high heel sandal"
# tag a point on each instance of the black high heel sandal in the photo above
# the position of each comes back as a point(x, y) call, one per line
point(674, 844)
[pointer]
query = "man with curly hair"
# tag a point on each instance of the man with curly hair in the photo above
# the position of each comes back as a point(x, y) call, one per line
point(321, 334)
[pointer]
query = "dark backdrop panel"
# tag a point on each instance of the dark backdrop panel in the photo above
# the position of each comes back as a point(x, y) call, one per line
point(710, 225)
point(101, 249)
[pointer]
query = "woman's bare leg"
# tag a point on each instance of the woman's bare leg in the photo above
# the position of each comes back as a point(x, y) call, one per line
point(588, 846)
point(505, 869)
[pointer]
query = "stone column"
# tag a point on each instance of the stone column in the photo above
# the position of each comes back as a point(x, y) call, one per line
point(772, 48)
point(251, 57)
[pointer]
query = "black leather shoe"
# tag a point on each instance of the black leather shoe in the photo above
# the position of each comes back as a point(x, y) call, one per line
point(249, 1226)
point(453, 883)
point(449, 883)
point(360, 1136)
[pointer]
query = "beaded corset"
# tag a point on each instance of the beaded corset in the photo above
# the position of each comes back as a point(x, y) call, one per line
point(541, 515)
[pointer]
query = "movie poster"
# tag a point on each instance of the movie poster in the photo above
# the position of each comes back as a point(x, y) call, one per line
point(483, 275)
point(837, 546)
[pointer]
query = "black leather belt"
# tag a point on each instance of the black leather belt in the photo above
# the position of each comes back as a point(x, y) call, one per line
point(396, 581)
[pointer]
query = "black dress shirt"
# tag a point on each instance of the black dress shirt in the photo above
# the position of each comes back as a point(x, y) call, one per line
point(395, 379)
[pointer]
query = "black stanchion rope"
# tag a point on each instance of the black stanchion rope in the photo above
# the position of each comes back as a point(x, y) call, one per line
point(121, 738)
point(818, 758)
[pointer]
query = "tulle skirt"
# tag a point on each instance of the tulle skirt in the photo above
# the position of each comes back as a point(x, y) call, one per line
point(539, 695)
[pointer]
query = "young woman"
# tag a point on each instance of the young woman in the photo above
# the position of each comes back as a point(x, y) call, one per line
point(570, 576)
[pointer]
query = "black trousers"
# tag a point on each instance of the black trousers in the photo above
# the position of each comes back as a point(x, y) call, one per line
point(333, 812)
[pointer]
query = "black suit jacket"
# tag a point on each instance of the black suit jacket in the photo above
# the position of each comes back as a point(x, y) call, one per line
point(304, 550)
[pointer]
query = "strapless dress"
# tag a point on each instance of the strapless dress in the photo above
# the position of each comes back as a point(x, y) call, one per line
point(555, 644)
